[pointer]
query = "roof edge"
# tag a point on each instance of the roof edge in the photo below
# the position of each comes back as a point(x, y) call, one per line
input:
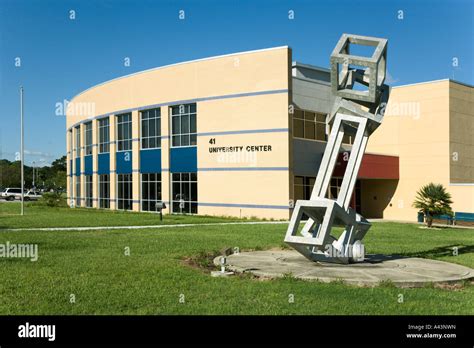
point(435, 81)
point(181, 63)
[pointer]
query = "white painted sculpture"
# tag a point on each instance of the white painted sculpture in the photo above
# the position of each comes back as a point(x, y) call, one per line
point(357, 113)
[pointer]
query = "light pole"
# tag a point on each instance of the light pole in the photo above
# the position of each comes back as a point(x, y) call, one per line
point(21, 153)
point(33, 174)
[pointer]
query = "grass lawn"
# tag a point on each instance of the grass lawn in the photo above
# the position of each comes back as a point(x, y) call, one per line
point(92, 265)
point(38, 216)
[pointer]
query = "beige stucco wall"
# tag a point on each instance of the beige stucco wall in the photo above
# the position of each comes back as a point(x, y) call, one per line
point(217, 84)
point(461, 129)
point(418, 128)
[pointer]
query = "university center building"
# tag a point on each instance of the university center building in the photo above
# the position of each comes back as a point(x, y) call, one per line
point(243, 135)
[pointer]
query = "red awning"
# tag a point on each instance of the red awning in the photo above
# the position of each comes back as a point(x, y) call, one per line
point(372, 167)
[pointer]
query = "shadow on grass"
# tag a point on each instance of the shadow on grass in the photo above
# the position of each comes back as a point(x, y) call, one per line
point(447, 250)
point(443, 251)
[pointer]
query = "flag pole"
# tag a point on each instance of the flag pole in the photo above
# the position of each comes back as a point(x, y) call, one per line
point(22, 153)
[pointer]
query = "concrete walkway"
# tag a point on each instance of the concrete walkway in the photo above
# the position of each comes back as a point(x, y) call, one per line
point(401, 271)
point(93, 228)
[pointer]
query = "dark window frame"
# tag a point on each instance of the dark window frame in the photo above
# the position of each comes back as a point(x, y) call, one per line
point(150, 119)
point(124, 132)
point(183, 125)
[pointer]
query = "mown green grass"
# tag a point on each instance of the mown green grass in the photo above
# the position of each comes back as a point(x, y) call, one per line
point(92, 266)
point(39, 216)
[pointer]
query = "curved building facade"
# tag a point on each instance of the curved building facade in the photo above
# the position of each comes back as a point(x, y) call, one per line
point(206, 137)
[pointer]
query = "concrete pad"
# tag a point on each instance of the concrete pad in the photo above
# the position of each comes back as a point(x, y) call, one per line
point(402, 272)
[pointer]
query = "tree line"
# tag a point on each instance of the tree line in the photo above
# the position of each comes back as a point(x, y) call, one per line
point(46, 177)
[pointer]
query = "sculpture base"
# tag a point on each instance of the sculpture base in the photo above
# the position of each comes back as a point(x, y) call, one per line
point(402, 272)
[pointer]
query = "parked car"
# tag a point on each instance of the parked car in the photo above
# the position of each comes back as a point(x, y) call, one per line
point(11, 194)
point(32, 195)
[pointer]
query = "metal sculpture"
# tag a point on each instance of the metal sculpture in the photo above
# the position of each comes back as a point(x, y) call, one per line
point(354, 112)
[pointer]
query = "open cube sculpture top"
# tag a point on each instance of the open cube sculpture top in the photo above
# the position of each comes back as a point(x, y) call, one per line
point(357, 113)
point(346, 68)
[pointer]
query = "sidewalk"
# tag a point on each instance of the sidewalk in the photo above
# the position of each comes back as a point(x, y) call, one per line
point(92, 228)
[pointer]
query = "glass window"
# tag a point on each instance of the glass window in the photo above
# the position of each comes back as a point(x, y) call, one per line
point(347, 139)
point(77, 147)
point(88, 144)
point(124, 132)
point(151, 191)
point(124, 191)
point(104, 135)
point(78, 191)
point(151, 128)
point(309, 125)
point(88, 181)
point(334, 188)
point(183, 124)
point(70, 156)
point(298, 128)
point(303, 187)
point(184, 193)
point(104, 191)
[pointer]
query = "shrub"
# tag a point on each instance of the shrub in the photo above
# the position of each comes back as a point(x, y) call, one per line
point(53, 199)
point(433, 199)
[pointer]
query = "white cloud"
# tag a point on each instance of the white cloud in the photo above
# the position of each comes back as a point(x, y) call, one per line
point(39, 154)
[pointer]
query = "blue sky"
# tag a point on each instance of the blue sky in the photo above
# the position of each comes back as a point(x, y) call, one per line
point(61, 57)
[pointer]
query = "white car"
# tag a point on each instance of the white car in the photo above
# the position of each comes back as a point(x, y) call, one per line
point(10, 194)
point(32, 196)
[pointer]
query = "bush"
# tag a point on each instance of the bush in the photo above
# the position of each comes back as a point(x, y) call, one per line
point(53, 199)
point(433, 199)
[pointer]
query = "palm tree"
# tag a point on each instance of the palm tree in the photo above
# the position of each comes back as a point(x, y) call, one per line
point(433, 199)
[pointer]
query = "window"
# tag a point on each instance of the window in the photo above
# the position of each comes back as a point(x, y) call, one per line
point(124, 132)
point(78, 191)
point(183, 125)
point(104, 135)
point(334, 188)
point(104, 191)
point(184, 193)
point(88, 181)
point(88, 144)
point(70, 157)
point(303, 187)
point(124, 191)
point(78, 141)
point(309, 125)
point(151, 128)
point(348, 139)
point(151, 191)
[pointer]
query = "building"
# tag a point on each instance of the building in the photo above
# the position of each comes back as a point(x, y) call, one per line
point(243, 134)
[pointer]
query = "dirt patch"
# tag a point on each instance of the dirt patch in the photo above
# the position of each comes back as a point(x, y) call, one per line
point(203, 261)
point(454, 286)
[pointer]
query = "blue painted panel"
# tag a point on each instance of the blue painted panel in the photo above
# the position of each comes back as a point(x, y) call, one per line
point(88, 165)
point(78, 166)
point(124, 162)
point(150, 161)
point(103, 163)
point(183, 159)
